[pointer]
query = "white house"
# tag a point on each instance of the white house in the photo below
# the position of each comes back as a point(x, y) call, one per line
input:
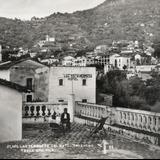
point(144, 71)
point(120, 61)
point(138, 57)
point(145, 68)
point(11, 96)
point(80, 61)
point(50, 61)
point(52, 84)
point(30, 74)
point(68, 61)
point(33, 54)
point(50, 39)
point(80, 81)
point(112, 58)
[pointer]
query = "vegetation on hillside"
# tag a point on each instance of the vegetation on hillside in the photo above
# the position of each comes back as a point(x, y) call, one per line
point(112, 20)
point(133, 93)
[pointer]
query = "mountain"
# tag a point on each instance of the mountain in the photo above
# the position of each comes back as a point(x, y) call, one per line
point(111, 20)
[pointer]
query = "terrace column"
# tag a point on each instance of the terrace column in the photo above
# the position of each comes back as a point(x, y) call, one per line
point(71, 106)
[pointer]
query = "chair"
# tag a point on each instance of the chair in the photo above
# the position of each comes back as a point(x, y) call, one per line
point(57, 128)
point(99, 127)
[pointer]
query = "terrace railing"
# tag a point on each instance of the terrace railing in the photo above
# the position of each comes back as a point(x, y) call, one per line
point(42, 109)
point(142, 120)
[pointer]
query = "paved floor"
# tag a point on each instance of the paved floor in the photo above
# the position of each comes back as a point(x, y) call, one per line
point(40, 142)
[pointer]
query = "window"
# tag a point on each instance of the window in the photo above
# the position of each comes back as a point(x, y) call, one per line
point(84, 82)
point(29, 98)
point(30, 83)
point(84, 100)
point(60, 82)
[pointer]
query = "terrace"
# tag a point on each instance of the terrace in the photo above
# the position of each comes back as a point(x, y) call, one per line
point(40, 142)
point(133, 134)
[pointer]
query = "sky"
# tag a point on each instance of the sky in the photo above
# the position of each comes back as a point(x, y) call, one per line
point(26, 9)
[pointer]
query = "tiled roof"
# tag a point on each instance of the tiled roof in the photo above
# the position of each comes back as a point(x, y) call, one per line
point(14, 86)
point(9, 64)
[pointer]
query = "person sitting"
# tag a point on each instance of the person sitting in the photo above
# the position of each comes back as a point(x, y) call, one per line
point(65, 119)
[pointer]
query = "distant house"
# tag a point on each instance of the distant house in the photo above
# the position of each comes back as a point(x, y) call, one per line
point(50, 61)
point(80, 61)
point(101, 49)
point(144, 71)
point(68, 61)
point(104, 60)
point(90, 54)
point(50, 39)
point(11, 96)
point(107, 68)
point(128, 52)
point(112, 58)
point(138, 57)
point(33, 54)
point(145, 68)
point(120, 61)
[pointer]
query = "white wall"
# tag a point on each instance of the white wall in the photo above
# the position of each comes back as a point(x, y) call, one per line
point(10, 114)
point(57, 92)
point(5, 74)
point(0, 53)
point(145, 68)
point(122, 61)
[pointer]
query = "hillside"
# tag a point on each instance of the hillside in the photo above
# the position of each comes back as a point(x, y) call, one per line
point(112, 20)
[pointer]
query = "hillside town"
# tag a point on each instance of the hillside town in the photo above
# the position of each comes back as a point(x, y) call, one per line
point(65, 97)
point(131, 56)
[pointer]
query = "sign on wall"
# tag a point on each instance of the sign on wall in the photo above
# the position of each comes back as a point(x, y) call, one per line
point(76, 76)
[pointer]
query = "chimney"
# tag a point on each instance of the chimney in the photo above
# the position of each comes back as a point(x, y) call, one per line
point(0, 53)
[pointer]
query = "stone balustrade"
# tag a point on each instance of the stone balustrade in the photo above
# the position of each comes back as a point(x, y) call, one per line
point(142, 120)
point(90, 110)
point(42, 109)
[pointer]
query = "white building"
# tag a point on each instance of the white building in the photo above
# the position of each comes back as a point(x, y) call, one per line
point(120, 61)
point(50, 61)
point(11, 96)
point(33, 54)
point(68, 61)
point(30, 74)
point(0, 53)
point(103, 60)
point(144, 71)
point(112, 59)
point(138, 57)
point(145, 68)
point(80, 62)
point(50, 39)
point(107, 68)
point(80, 81)
point(52, 84)
point(100, 49)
